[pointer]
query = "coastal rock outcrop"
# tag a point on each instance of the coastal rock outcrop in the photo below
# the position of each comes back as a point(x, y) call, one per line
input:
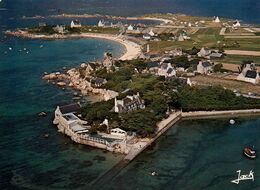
point(72, 78)
point(61, 84)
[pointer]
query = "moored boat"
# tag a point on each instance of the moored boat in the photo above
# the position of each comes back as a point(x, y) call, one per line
point(250, 153)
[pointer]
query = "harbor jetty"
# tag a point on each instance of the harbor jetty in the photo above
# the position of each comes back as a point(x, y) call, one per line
point(163, 126)
point(136, 149)
point(78, 130)
point(227, 113)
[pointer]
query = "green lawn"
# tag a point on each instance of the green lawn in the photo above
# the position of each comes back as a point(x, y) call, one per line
point(244, 44)
point(237, 59)
point(207, 37)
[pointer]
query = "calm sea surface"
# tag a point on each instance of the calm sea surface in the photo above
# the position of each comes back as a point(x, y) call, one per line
point(194, 155)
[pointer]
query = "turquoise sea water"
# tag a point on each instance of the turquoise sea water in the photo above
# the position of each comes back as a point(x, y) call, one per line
point(28, 160)
point(194, 155)
point(246, 10)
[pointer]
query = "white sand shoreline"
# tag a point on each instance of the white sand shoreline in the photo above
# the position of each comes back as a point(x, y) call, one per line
point(132, 49)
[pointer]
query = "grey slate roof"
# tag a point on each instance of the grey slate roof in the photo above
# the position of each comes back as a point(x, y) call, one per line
point(169, 71)
point(251, 74)
point(76, 22)
point(206, 64)
point(164, 66)
point(152, 64)
point(215, 54)
point(69, 108)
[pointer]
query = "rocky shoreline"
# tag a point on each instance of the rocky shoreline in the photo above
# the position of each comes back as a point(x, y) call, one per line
point(71, 78)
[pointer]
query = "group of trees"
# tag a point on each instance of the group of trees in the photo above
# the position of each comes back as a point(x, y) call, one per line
point(159, 96)
point(213, 98)
point(183, 61)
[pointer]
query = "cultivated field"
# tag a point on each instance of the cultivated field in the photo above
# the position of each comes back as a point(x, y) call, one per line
point(242, 87)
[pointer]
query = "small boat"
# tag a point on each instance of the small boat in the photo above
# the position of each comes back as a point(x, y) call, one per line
point(154, 173)
point(250, 153)
point(232, 121)
point(42, 114)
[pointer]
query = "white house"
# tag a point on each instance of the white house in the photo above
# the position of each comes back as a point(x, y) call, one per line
point(151, 33)
point(204, 67)
point(129, 103)
point(181, 38)
point(68, 121)
point(101, 23)
point(236, 24)
point(249, 74)
point(204, 52)
point(166, 70)
point(130, 28)
point(209, 53)
point(146, 37)
point(75, 24)
point(216, 20)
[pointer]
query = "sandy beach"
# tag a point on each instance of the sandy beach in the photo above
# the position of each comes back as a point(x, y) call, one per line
point(132, 49)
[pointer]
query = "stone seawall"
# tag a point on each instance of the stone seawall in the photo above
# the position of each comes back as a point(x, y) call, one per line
point(78, 139)
point(139, 147)
point(219, 113)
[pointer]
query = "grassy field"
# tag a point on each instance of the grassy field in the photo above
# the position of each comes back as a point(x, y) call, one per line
point(237, 59)
point(186, 18)
point(244, 44)
point(237, 31)
point(230, 84)
point(206, 37)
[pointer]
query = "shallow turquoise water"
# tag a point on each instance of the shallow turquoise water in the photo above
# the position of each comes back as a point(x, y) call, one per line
point(28, 160)
point(196, 155)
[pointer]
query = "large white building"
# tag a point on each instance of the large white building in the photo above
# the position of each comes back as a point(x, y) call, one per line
point(67, 120)
point(129, 103)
